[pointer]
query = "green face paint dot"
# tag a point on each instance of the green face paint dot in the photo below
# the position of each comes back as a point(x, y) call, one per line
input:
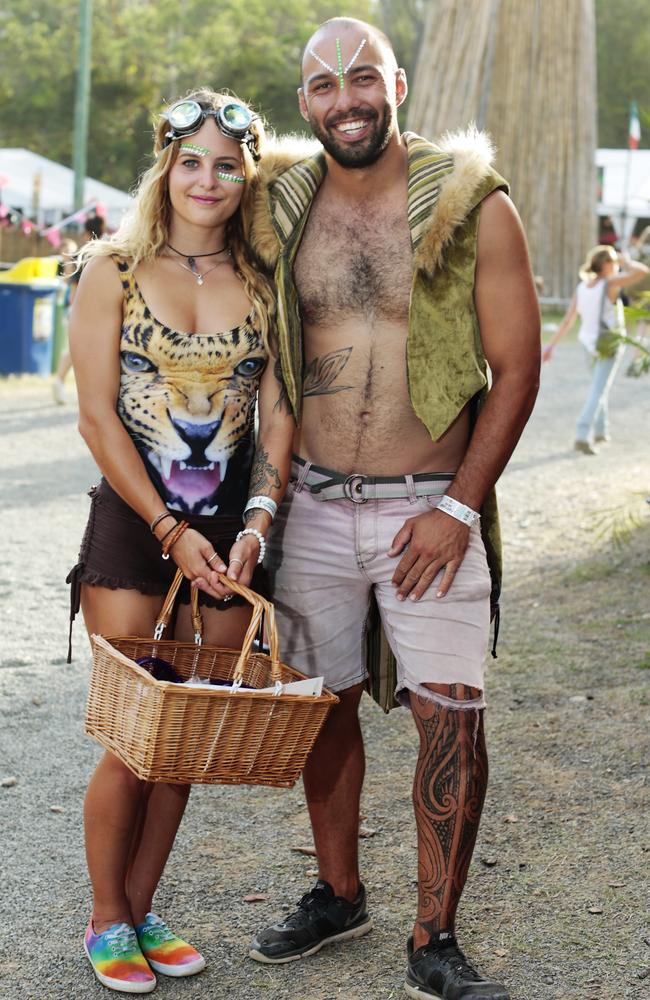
point(339, 60)
point(230, 177)
point(189, 147)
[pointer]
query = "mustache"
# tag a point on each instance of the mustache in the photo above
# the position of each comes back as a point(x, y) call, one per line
point(352, 115)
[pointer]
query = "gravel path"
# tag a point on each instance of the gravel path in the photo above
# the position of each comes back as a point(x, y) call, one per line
point(555, 900)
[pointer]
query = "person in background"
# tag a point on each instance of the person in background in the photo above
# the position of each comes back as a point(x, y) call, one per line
point(596, 301)
point(94, 228)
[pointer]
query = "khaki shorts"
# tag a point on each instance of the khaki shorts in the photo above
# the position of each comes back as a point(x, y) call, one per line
point(326, 557)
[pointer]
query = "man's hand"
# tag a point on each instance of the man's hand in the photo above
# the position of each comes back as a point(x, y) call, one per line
point(432, 541)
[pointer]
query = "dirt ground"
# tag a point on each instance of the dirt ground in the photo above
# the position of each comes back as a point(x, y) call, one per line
point(556, 902)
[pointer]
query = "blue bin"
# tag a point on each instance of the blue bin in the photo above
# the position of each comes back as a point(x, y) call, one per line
point(27, 325)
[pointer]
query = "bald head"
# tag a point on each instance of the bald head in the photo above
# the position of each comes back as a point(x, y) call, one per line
point(351, 32)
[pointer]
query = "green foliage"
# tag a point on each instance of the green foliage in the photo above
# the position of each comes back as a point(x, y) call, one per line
point(617, 525)
point(623, 47)
point(147, 52)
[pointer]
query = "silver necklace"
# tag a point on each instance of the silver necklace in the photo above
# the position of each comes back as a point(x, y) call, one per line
point(191, 267)
point(200, 278)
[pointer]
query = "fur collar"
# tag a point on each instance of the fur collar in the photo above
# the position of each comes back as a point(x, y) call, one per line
point(472, 153)
point(453, 194)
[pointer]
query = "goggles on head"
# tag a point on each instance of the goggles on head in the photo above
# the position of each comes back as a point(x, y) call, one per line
point(233, 120)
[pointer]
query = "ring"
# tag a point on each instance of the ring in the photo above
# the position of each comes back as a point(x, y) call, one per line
point(228, 597)
point(237, 560)
point(215, 555)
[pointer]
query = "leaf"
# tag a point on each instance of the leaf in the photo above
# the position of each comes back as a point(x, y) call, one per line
point(489, 862)
point(616, 885)
point(9, 782)
point(594, 909)
point(365, 832)
point(321, 372)
point(255, 897)
point(311, 851)
point(501, 952)
point(510, 818)
point(57, 809)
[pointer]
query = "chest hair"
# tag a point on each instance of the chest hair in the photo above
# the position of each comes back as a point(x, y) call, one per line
point(355, 263)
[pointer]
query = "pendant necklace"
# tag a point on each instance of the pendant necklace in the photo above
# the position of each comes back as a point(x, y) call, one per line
point(191, 262)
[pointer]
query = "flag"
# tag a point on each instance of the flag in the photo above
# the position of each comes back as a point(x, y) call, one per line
point(634, 131)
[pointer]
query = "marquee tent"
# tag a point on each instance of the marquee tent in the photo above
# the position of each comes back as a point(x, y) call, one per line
point(43, 189)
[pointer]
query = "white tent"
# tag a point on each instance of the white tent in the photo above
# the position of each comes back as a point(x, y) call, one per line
point(624, 174)
point(43, 189)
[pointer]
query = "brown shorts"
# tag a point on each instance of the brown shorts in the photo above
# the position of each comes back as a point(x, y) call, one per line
point(119, 551)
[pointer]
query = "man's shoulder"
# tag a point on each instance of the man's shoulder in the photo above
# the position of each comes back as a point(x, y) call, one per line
point(281, 154)
point(469, 177)
point(288, 173)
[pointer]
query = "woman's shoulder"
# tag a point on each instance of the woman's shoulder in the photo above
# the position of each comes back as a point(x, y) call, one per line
point(102, 272)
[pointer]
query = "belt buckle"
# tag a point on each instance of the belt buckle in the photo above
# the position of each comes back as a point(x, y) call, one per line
point(353, 488)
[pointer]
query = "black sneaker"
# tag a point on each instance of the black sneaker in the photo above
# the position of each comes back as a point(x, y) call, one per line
point(439, 969)
point(321, 918)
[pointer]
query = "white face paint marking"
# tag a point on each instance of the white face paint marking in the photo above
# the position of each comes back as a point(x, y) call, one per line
point(342, 70)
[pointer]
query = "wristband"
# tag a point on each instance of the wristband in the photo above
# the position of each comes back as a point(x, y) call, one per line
point(156, 521)
point(260, 539)
point(458, 510)
point(263, 503)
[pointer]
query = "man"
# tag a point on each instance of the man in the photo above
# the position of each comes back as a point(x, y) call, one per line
point(408, 266)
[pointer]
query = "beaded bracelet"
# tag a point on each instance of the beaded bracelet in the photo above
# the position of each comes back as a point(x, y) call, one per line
point(173, 538)
point(260, 539)
point(262, 503)
point(156, 521)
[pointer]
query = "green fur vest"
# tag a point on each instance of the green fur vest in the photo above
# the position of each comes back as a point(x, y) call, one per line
point(447, 369)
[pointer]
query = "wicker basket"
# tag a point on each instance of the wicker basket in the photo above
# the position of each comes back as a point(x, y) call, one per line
point(168, 732)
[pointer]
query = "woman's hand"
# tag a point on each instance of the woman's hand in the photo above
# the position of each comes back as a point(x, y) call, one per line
point(243, 558)
point(196, 557)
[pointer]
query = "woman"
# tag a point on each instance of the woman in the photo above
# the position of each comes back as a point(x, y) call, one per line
point(596, 301)
point(170, 339)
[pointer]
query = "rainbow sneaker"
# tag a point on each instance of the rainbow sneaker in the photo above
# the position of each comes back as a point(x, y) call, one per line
point(117, 960)
point(165, 952)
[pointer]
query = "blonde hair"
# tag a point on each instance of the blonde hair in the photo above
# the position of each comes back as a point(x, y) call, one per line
point(144, 231)
point(596, 260)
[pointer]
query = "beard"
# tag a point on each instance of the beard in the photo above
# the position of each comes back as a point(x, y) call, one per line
point(356, 156)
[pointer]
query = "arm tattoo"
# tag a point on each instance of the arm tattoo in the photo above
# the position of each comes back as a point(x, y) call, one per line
point(448, 793)
point(264, 476)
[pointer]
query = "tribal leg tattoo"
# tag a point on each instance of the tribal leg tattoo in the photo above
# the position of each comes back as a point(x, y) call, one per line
point(448, 795)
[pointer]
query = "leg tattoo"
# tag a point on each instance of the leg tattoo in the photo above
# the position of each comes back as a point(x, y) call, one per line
point(448, 794)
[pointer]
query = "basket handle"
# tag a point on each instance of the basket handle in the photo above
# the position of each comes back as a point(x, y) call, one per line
point(260, 607)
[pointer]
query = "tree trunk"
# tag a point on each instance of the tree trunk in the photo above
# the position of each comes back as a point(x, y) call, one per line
point(526, 71)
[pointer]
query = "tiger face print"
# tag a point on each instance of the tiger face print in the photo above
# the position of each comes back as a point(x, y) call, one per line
point(188, 400)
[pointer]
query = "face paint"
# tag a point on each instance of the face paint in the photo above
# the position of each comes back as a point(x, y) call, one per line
point(230, 177)
point(189, 147)
point(341, 69)
point(339, 62)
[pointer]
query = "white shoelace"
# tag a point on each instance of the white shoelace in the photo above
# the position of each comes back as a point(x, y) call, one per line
point(122, 940)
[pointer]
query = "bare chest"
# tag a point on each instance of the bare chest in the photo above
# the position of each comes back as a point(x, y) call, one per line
point(354, 265)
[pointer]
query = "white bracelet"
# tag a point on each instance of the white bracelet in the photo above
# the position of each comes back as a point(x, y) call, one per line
point(458, 510)
point(263, 503)
point(260, 538)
